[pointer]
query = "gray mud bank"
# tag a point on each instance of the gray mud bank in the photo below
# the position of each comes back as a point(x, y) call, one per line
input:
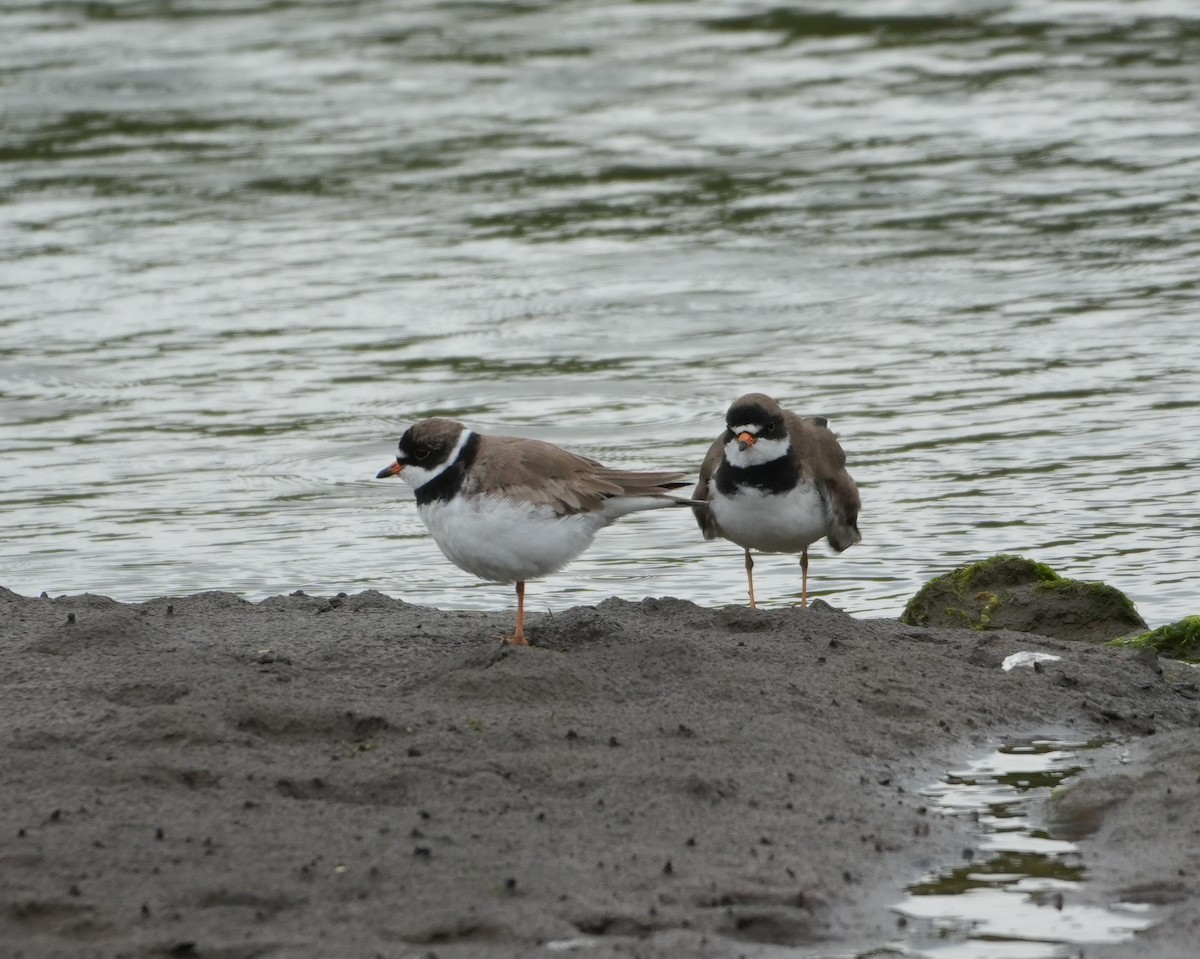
point(356, 776)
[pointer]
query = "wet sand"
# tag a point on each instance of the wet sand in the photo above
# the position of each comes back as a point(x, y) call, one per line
point(356, 776)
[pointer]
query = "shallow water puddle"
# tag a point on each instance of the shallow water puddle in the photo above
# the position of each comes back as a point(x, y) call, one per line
point(1012, 897)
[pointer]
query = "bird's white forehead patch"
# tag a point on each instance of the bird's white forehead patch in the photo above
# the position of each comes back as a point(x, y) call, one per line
point(748, 428)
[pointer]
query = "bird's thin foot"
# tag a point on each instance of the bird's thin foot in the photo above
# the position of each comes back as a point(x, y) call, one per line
point(518, 636)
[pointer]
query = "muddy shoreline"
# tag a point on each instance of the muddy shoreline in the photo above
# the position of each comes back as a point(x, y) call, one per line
point(357, 776)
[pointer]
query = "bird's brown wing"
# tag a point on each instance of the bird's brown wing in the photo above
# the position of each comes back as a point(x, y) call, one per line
point(548, 475)
point(703, 512)
point(820, 457)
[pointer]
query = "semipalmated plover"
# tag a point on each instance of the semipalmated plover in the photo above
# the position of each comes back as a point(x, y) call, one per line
point(776, 482)
point(509, 509)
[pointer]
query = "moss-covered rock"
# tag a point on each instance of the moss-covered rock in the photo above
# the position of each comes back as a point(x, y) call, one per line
point(1179, 640)
point(1011, 592)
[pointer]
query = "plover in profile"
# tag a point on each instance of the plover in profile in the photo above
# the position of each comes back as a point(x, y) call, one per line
point(508, 509)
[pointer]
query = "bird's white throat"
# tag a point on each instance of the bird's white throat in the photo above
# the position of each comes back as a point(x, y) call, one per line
point(762, 451)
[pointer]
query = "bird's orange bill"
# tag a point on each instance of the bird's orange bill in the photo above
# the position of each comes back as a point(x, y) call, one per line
point(746, 439)
point(392, 470)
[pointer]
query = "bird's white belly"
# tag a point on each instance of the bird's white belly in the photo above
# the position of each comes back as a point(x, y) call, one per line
point(771, 522)
point(505, 541)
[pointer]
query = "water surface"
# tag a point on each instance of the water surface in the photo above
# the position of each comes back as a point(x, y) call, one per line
point(244, 244)
point(1021, 894)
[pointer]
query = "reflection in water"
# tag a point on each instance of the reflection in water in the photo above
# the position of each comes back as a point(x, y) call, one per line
point(1016, 895)
point(1007, 868)
point(245, 244)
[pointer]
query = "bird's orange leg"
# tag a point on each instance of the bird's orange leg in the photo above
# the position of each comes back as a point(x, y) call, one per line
point(750, 577)
point(804, 576)
point(518, 637)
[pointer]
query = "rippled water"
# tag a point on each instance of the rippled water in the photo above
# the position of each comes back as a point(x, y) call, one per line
point(243, 244)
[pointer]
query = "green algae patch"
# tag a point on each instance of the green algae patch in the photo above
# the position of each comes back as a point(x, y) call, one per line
point(1012, 592)
point(1179, 640)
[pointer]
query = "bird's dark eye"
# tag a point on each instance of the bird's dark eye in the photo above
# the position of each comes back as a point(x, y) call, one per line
point(422, 452)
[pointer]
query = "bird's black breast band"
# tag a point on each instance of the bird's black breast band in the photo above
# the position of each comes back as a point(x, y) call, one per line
point(446, 484)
